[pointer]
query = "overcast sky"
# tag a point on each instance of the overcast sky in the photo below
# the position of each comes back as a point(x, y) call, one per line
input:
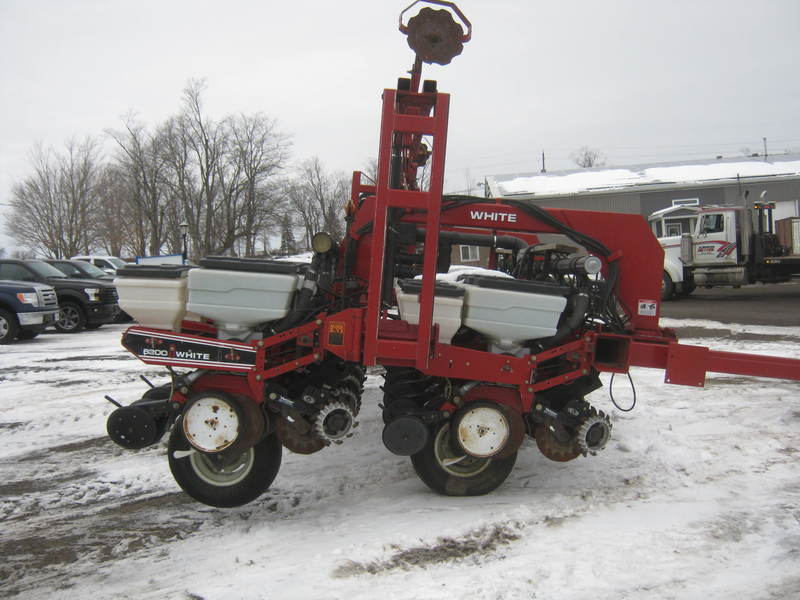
point(639, 80)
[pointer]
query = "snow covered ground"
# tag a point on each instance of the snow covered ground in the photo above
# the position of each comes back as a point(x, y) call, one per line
point(697, 496)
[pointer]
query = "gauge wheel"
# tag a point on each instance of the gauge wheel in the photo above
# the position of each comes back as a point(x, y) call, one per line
point(667, 287)
point(451, 472)
point(8, 327)
point(219, 480)
point(162, 392)
point(71, 318)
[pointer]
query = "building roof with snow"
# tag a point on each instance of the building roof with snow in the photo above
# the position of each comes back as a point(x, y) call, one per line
point(645, 177)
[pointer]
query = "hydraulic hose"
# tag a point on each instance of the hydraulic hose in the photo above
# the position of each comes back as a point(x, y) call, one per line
point(508, 242)
point(305, 297)
point(575, 320)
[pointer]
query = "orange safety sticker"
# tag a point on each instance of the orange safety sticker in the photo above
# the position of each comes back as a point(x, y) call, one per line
point(336, 333)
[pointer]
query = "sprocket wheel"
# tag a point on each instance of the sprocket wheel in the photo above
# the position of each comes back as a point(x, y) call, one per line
point(334, 422)
point(556, 443)
point(594, 432)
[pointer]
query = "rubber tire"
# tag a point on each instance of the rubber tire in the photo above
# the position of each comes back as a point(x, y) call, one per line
point(687, 290)
point(161, 392)
point(80, 318)
point(9, 329)
point(440, 481)
point(667, 287)
point(27, 334)
point(267, 463)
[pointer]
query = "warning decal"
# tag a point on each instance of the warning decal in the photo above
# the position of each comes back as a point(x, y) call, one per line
point(648, 308)
point(336, 333)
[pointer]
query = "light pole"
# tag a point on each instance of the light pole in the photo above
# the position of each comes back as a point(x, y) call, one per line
point(184, 227)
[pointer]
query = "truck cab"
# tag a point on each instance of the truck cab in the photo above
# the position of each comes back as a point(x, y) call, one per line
point(669, 225)
point(729, 246)
point(716, 239)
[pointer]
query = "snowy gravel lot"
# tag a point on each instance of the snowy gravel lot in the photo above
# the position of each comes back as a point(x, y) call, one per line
point(697, 496)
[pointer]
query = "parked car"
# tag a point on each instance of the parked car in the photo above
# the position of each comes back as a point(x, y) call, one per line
point(109, 264)
point(26, 308)
point(77, 269)
point(84, 303)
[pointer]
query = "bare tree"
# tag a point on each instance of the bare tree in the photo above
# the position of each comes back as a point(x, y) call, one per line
point(117, 223)
point(302, 206)
point(256, 152)
point(53, 211)
point(140, 159)
point(371, 169)
point(318, 198)
point(193, 150)
point(587, 157)
point(219, 174)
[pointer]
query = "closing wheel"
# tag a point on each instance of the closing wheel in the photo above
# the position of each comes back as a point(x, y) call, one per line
point(556, 443)
point(221, 480)
point(454, 473)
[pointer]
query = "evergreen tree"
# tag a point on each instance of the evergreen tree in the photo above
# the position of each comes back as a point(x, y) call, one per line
point(288, 243)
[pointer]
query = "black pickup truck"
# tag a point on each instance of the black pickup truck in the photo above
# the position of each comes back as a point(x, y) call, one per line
point(85, 303)
point(26, 308)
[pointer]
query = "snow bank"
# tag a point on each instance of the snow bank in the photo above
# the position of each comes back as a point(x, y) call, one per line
point(695, 497)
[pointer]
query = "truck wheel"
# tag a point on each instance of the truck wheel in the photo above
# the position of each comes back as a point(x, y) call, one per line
point(667, 287)
point(448, 472)
point(236, 482)
point(71, 318)
point(8, 327)
point(687, 289)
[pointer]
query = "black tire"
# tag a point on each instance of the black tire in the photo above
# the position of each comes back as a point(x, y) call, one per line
point(71, 318)
point(28, 334)
point(687, 289)
point(468, 477)
point(162, 392)
point(123, 317)
point(242, 482)
point(667, 287)
point(9, 328)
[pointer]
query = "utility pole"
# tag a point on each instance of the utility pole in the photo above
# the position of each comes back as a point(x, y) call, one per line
point(544, 170)
point(765, 149)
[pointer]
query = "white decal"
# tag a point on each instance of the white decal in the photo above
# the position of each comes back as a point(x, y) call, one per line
point(153, 352)
point(192, 355)
point(648, 308)
point(482, 215)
